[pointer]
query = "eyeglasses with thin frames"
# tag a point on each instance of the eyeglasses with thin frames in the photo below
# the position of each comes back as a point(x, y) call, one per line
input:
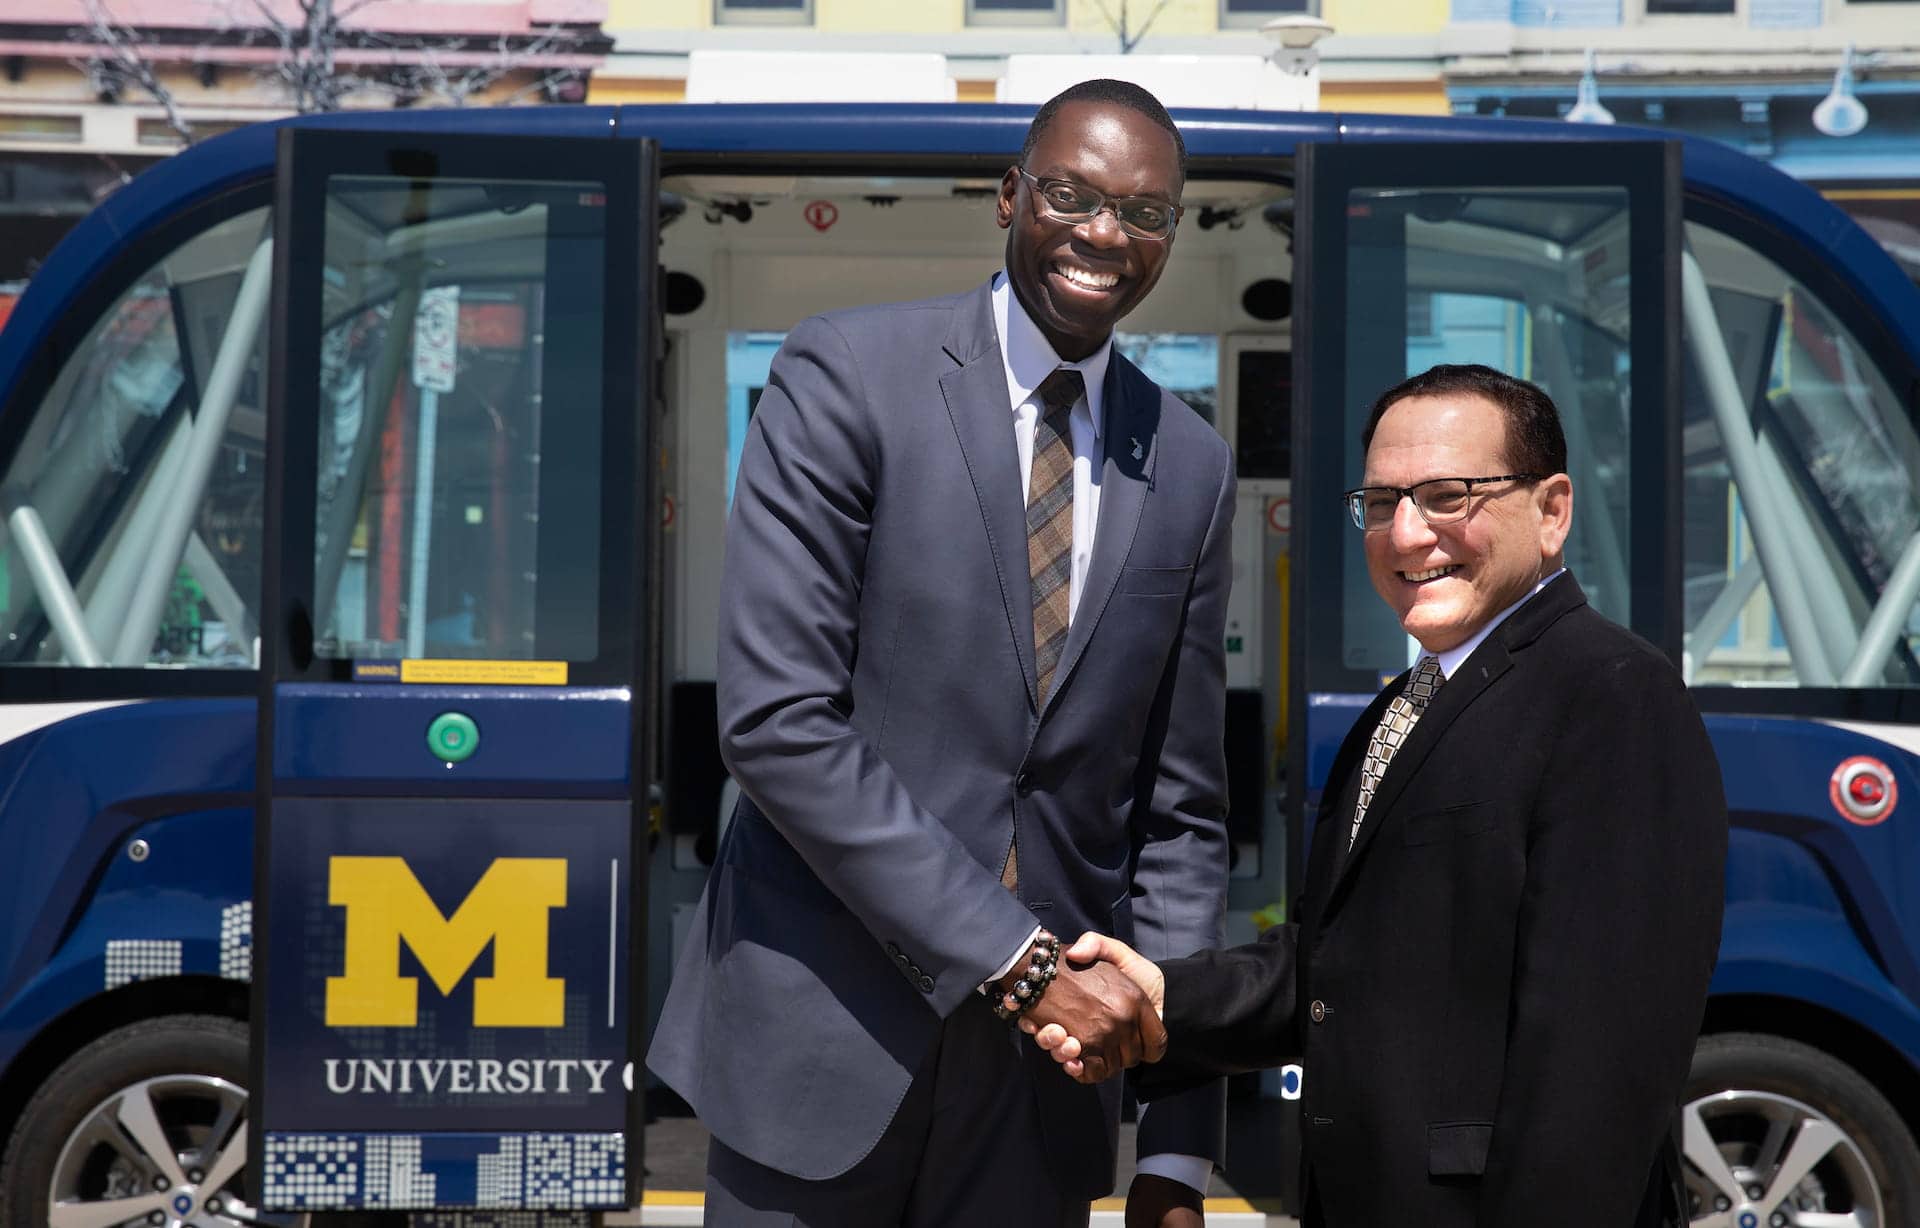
point(1438, 500)
point(1143, 217)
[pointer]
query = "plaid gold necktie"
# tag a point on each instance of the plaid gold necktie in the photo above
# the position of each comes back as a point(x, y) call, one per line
point(1049, 539)
point(1395, 724)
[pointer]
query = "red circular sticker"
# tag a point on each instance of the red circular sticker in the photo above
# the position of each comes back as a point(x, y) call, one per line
point(1863, 790)
point(821, 215)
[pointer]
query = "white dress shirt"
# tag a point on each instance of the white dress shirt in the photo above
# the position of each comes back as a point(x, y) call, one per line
point(1453, 658)
point(1029, 358)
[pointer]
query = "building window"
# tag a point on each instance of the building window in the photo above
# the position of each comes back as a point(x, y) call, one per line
point(1245, 13)
point(1016, 12)
point(1657, 8)
point(763, 12)
point(64, 129)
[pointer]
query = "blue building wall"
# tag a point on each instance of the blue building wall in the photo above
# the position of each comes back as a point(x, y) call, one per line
point(1761, 14)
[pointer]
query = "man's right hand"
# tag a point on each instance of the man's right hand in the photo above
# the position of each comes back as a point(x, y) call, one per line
point(1113, 1024)
point(1083, 1057)
point(1108, 1017)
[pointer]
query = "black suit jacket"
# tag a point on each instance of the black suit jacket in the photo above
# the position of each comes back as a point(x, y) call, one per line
point(1495, 994)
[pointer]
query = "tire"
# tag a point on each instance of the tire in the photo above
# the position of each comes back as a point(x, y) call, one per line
point(179, 1079)
point(1780, 1129)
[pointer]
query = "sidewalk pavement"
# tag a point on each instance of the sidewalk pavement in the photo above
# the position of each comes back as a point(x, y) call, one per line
point(1245, 1196)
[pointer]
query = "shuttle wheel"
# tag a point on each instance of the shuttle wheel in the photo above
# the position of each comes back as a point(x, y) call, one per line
point(147, 1124)
point(1777, 1133)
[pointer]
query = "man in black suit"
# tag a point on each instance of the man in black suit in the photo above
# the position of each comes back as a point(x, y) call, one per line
point(1512, 903)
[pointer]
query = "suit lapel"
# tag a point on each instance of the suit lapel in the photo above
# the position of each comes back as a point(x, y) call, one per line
point(1475, 675)
point(1132, 416)
point(1337, 798)
point(976, 396)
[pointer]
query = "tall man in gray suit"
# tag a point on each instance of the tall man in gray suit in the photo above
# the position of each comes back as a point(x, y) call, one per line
point(971, 686)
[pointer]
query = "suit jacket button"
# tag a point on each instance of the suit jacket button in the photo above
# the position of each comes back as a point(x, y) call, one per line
point(893, 952)
point(1023, 783)
point(926, 983)
point(1318, 1011)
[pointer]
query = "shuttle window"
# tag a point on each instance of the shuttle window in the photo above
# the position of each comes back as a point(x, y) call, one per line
point(133, 504)
point(1802, 549)
point(1534, 281)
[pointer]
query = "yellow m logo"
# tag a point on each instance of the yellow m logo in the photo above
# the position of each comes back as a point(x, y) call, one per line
point(508, 907)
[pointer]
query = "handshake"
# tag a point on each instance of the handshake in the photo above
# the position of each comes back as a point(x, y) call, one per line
point(1101, 1014)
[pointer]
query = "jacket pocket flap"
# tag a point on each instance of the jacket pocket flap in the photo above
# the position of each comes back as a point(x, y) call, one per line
point(1458, 1148)
point(1156, 581)
point(1450, 823)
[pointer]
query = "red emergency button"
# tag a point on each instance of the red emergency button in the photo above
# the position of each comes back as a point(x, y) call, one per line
point(1863, 790)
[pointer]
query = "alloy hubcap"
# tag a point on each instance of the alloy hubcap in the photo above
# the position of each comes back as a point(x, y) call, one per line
point(1761, 1160)
point(168, 1151)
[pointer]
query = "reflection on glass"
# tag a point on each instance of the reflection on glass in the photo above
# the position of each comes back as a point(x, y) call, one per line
point(113, 550)
point(1834, 459)
point(457, 503)
point(1533, 281)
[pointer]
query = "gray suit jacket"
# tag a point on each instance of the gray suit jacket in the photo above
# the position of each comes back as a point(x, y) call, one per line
point(877, 707)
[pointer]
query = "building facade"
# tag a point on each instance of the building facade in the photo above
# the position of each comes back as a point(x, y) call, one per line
point(1388, 58)
point(1747, 72)
point(92, 91)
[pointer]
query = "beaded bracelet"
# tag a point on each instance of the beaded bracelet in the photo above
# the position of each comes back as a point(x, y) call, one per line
point(1033, 982)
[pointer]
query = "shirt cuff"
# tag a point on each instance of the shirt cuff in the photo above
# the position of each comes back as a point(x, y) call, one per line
point(1194, 1172)
point(986, 986)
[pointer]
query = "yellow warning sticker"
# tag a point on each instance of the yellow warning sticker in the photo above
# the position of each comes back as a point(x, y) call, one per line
point(454, 671)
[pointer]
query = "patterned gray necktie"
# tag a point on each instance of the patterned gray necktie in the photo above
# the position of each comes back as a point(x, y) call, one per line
point(1395, 724)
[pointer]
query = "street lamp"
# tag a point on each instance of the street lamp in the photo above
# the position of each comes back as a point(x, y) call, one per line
point(1293, 37)
point(1840, 113)
point(1586, 107)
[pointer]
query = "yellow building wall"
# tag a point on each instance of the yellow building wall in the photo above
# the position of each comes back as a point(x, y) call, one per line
point(1385, 16)
point(1385, 97)
point(609, 91)
point(658, 15)
point(1179, 17)
point(888, 16)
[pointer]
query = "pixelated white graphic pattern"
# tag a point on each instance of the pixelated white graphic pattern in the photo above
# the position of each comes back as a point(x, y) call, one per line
point(141, 959)
point(318, 1171)
point(394, 1178)
point(311, 1170)
point(501, 1219)
point(497, 1177)
point(236, 941)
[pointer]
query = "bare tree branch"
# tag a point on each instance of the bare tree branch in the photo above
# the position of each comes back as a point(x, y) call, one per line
point(1121, 25)
point(307, 38)
point(431, 78)
point(114, 57)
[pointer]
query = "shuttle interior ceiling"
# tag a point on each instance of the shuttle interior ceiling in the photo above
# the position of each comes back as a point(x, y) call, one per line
point(767, 251)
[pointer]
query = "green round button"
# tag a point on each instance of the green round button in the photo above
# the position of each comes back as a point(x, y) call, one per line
point(453, 736)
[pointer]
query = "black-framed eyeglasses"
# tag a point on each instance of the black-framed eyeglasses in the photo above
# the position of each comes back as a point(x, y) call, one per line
point(1143, 217)
point(1438, 500)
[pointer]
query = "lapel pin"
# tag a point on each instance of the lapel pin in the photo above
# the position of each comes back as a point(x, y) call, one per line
point(1138, 452)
